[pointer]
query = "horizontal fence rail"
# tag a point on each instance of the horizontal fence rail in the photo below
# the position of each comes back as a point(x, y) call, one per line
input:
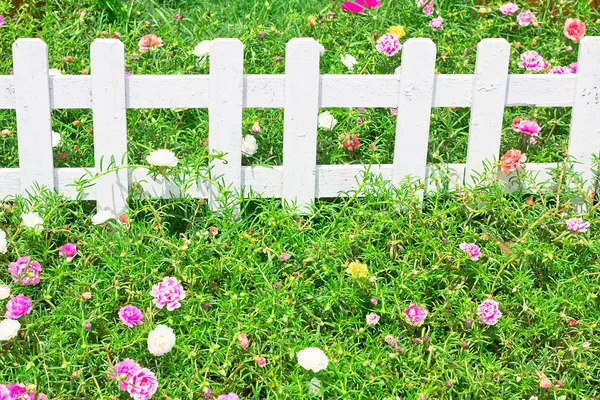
point(301, 91)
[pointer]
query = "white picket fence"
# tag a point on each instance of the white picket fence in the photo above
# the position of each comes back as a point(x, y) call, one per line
point(300, 92)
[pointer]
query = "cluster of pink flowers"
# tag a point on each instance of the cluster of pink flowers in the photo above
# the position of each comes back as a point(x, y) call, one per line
point(512, 160)
point(140, 383)
point(349, 141)
point(488, 312)
point(149, 41)
point(18, 391)
point(130, 316)
point(68, 251)
point(577, 225)
point(560, 70)
point(437, 23)
point(532, 61)
point(415, 314)
point(428, 9)
point(168, 293)
point(358, 6)
point(18, 306)
point(509, 8)
point(471, 250)
point(388, 44)
point(24, 271)
point(525, 18)
point(527, 127)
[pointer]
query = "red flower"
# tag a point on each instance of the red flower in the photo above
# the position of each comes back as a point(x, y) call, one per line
point(572, 322)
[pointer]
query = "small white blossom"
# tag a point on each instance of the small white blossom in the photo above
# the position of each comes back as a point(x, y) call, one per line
point(9, 329)
point(162, 158)
point(349, 61)
point(161, 340)
point(249, 145)
point(33, 220)
point(327, 121)
point(312, 359)
point(3, 242)
point(4, 291)
point(102, 216)
point(202, 49)
point(55, 139)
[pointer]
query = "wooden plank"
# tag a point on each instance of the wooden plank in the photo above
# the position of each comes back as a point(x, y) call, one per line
point(34, 124)
point(414, 110)
point(168, 91)
point(110, 124)
point(487, 110)
point(225, 116)
point(300, 122)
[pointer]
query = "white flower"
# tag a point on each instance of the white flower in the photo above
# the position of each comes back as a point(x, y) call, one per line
point(327, 121)
point(313, 359)
point(102, 216)
point(249, 145)
point(54, 72)
point(349, 62)
point(161, 340)
point(202, 49)
point(321, 49)
point(9, 329)
point(162, 158)
point(55, 139)
point(3, 242)
point(4, 291)
point(314, 387)
point(33, 220)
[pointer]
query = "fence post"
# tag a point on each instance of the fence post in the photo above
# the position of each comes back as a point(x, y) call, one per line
point(301, 108)
point(110, 123)
point(415, 99)
point(34, 123)
point(487, 107)
point(584, 140)
point(225, 116)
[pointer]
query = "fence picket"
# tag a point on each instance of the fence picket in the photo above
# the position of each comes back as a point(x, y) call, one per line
point(300, 122)
point(415, 99)
point(34, 123)
point(487, 108)
point(225, 115)
point(110, 123)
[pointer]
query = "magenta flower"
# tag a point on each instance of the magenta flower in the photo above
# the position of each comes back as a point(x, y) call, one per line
point(373, 301)
point(18, 306)
point(471, 249)
point(130, 316)
point(68, 251)
point(573, 67)
point(2, 22)
point(168, 292)
point(428, 9)
point(359, 5)
point(577, 225)
point(388, 44)
point(532, 61)
point(509, 8)
point(527, 127)
point(437, 23)
point(560, 71)
point(230, 396)
point(24, 271)
point(488, 312)
point(19, 391)
point(124, 371)
point(525, 18)
point(415, 314)
point(372, 319)
point(244, 342)
point(142, 384)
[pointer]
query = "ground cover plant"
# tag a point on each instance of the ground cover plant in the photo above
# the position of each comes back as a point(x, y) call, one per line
point(477, 293)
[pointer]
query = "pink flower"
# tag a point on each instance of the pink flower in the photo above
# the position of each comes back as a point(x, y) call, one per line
point(525, 18)
point(573, 67)
point(415, 314)
point(509, 8)
point(243, 339)
point(391, 340)
point(68, 250)
point(585, 345)
point(4, 392)
point(359, 5)
point(527, 127)
point(18, 391)
point(373, 301)
point(569, 49)
point(560, 71)
point(393, 112)
point(230, 396)
point(488, 312)
point(349, 141)
point(148, 41)
point(372, 319)
point(388, 44)
point(574, 29)
point(2, 22)
point(18, 306)
point(577, 225)
point(437, 23)
point(532, 140)
point(142, 384)
point(512, 160)
point(471, 249)
point(261, 361)
point(25, 272)
point(168, 292)
point(428, 9)
point(532, 61)
point(123, 372)
point(130, 316)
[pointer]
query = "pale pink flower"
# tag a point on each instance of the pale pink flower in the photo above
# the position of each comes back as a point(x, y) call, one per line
point(532, 140)
point(18, 306)
point(230, 396)
point(149, 41)
point(574, 29)
point(471, 249)
point(142, 384)
point(525, 18)
point(585, 345)
point(388, 44)
point(124, 370)
point(437, 23)
point(68, 251)
point(168, 292)
point(509, 8)
point(573, 67)
point(130, 315)
point(372, 319)
point(393, 112)
point(24, 271)
point(560, 70)
point(391, 340)
point(243, 339)
point(261, 361)
point(532, 61)
point(488, 312)
point(577, 225)
point(415, 314)
point(527, 127)
point(428, 9)
point(569, 49)
point(511, 160)
point(4, 392)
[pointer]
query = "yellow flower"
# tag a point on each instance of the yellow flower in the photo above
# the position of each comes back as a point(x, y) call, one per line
point(356, 269)
point(397, 30)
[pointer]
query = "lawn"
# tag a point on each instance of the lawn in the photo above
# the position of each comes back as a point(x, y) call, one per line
point(513, 315)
